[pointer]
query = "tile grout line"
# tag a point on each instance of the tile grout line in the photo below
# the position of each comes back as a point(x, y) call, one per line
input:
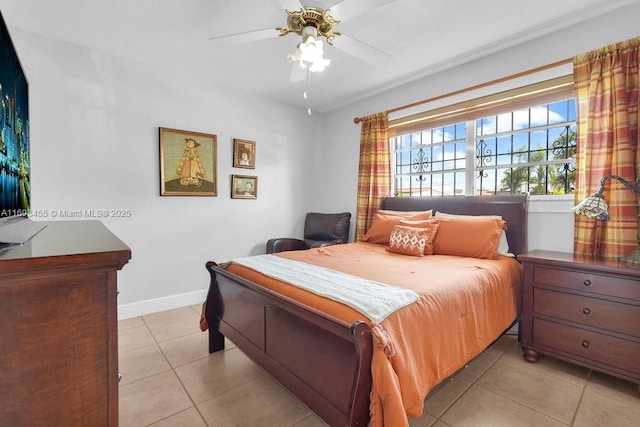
point(584, 390)
point(172, 369)
point(184, 388)
point(526, 405)
point(439, 418)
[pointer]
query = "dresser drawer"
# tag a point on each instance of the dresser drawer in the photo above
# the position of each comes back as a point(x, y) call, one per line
point(589, 282)
point(602, 314)
point(591, 346)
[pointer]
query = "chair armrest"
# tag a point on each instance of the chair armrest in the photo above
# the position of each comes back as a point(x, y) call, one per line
point(285, 244)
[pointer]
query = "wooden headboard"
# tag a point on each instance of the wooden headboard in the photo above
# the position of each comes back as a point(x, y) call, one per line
point(513, 210)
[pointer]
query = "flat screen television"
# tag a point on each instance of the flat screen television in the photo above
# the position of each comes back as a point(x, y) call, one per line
point(15, 147)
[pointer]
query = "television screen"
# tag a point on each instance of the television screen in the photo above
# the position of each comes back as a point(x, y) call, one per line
point(15, 167)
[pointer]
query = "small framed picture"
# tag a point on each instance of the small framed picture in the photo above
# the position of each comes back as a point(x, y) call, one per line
point(244, 154)
point(187, 163)
point(244, 187)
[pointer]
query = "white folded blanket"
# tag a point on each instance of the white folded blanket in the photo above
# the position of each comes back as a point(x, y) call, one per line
point(373, 299)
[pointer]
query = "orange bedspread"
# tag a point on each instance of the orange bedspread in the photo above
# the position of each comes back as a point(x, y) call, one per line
point(464, 305)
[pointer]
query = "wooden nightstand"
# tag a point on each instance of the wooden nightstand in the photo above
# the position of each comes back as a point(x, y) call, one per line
point(582, 310)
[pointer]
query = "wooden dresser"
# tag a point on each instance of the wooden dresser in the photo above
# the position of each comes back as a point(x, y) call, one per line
point(58, 327)
point(582, 310)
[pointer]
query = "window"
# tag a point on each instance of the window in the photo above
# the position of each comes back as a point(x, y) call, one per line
point(503, 150)
point(432, 162)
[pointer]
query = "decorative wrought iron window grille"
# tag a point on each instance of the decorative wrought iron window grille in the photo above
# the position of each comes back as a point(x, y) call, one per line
point(531, 150)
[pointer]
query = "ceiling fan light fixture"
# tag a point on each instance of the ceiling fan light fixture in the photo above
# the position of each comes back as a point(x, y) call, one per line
point(295, 58)
point(319, 65)
point(309, 52)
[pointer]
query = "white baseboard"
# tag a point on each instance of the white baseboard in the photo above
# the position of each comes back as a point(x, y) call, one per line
point(140, 308)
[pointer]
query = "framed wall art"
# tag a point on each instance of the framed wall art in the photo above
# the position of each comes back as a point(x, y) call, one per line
point(244, 187)
point(188, 165)
point(244, 154)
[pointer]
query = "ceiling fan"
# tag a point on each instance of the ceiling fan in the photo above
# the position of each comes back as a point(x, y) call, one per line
point(311, 23)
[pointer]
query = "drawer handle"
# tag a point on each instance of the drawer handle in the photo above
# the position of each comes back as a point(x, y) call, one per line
point(586, 310)
point(585, 344)
point(587, 282)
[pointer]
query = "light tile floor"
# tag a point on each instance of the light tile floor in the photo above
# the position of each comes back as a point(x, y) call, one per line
point(169, 379)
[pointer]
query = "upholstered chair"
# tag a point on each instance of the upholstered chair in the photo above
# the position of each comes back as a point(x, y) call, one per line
point(320, 229)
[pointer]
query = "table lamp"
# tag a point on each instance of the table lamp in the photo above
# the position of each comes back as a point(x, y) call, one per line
point(595, 206)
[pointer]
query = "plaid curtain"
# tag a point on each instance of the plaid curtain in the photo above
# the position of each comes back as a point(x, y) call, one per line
point(607, 85)
point(374, 173)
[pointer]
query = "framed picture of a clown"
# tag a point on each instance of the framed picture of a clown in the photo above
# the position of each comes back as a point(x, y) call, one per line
point(188, 163)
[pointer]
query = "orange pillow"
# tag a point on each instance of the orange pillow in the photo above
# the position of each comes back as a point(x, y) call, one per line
point(431, 224)
point(408, 240)
point(382, 225)
point(503, 248)
point(476, 237)
point(405, 213)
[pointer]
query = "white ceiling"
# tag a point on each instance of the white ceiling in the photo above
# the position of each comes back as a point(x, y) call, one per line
point(418, 37)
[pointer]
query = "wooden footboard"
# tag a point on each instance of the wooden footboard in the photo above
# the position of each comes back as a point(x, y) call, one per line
point(323, 361)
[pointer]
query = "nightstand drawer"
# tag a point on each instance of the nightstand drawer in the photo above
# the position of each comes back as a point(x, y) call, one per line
point(584, 281)
point(602, 314)
point(598, 348)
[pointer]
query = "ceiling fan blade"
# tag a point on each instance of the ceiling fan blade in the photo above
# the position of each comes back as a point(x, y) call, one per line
point(298, 74)
point(290, 4)
point(348, 9)
point(246, 37)
point(360, 50)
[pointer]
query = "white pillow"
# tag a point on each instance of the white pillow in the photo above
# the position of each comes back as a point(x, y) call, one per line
point(503, 246)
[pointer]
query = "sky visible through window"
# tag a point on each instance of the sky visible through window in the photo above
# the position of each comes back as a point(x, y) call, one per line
point(528, 150)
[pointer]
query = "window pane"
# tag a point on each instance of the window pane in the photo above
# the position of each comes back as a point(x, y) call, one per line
point(487, 126)
point(406, 141)
point(558, 112)
point(449, 133)
point(571, 111)
point(528, 150)
point(449, 181)
point(503, 123)
point(486, 182)
point(460, 188)
point(504, 159)
point(521, 119)
point(416, 140)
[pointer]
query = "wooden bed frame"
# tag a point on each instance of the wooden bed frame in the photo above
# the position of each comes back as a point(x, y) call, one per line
point(285, 337)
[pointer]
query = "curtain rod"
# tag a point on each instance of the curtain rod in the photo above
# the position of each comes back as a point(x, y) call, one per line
point(357, 120)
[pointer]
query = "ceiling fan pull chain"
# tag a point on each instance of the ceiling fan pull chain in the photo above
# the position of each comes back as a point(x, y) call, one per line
point(307, 94)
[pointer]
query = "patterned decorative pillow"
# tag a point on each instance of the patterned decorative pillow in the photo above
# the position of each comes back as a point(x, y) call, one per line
point(431, 224)
point(408, 240)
